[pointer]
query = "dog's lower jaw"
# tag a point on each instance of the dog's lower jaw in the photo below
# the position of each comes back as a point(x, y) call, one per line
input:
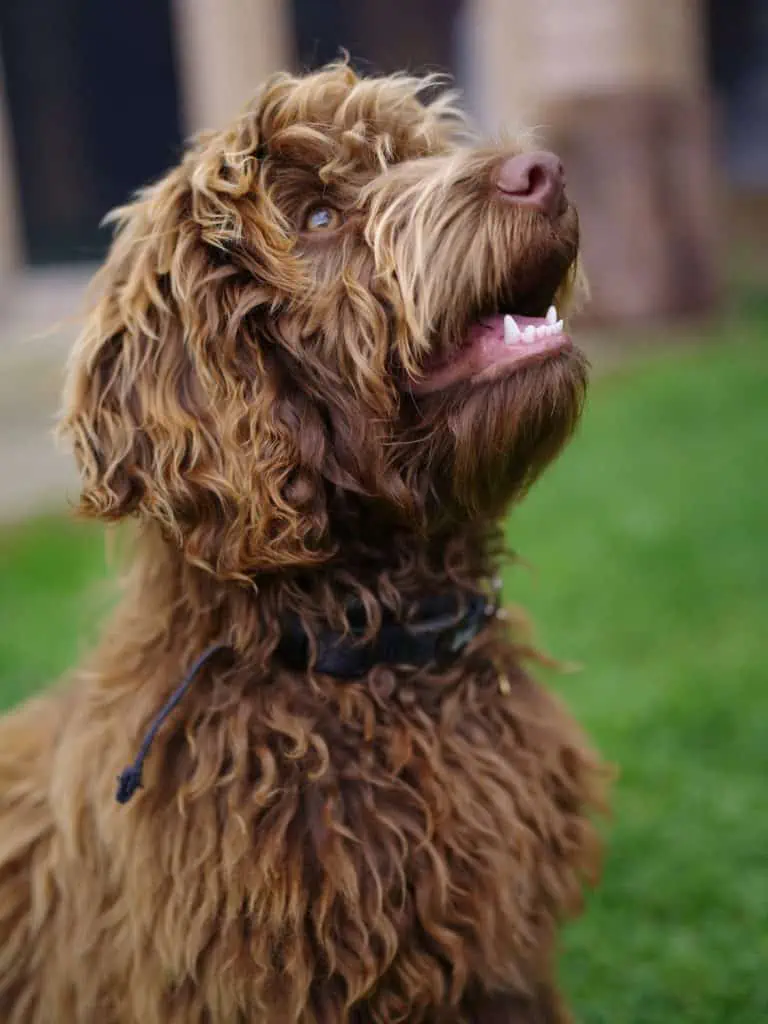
point(488, 442)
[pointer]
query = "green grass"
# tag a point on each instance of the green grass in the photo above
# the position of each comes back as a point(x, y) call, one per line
point(650, 546)
point(50, 600)
point(650, 551)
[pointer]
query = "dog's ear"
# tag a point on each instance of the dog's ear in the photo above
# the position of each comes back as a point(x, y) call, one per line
point(172, 404)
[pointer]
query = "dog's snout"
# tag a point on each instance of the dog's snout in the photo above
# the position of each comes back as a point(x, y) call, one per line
point(533, 179)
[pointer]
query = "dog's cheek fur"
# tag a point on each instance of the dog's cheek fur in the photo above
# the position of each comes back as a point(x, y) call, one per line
point(173, 403)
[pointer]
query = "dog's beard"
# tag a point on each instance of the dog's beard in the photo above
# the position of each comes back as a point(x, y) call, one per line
point(483, 447)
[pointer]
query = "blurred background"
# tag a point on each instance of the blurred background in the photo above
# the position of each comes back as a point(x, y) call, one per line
point(648, 539)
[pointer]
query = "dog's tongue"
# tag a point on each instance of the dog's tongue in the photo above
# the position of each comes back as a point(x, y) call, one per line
point(494, 345)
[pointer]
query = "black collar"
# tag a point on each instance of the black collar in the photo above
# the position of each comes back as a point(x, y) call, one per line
point(438, 631)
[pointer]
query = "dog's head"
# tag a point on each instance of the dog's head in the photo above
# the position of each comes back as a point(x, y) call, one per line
point(331, 316)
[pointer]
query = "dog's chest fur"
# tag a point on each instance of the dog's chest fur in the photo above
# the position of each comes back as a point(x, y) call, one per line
point(305, 845)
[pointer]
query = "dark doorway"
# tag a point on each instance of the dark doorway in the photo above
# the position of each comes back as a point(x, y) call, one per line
point(738, 62)
point(94, 113)
point(380, 35)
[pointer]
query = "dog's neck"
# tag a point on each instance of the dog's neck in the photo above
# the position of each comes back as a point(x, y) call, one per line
point(176, 599)
point(174, 612)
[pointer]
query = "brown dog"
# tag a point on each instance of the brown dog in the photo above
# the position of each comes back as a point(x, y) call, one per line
point(299, 378)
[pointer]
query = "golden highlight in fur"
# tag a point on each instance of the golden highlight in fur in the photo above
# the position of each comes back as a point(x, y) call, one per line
point(307, 849)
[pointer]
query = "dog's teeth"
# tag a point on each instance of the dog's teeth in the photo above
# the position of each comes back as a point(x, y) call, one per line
point(511, 330)
point(559, 326)
point(529, 334)
point(551, 315)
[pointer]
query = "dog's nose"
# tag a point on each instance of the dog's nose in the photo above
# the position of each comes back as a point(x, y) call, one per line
point(533, 179)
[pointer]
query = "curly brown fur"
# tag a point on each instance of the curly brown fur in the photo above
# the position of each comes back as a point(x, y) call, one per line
point(400, 847)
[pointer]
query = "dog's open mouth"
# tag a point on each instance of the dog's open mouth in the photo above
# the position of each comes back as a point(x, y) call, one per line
point(494, 345)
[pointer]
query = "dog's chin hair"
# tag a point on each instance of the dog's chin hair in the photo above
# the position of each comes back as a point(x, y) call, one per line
point(506, 432)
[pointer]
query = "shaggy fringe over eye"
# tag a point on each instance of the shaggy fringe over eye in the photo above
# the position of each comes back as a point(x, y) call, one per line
point(169, 403)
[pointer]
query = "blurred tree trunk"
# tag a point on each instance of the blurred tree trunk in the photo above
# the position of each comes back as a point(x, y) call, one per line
point(619, 90)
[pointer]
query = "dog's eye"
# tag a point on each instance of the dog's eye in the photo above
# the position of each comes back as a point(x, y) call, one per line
point(321, 218)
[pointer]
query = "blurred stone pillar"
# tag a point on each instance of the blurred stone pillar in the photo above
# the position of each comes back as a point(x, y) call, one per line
point(11, 253)
point(620, 91)
point(226, 49)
